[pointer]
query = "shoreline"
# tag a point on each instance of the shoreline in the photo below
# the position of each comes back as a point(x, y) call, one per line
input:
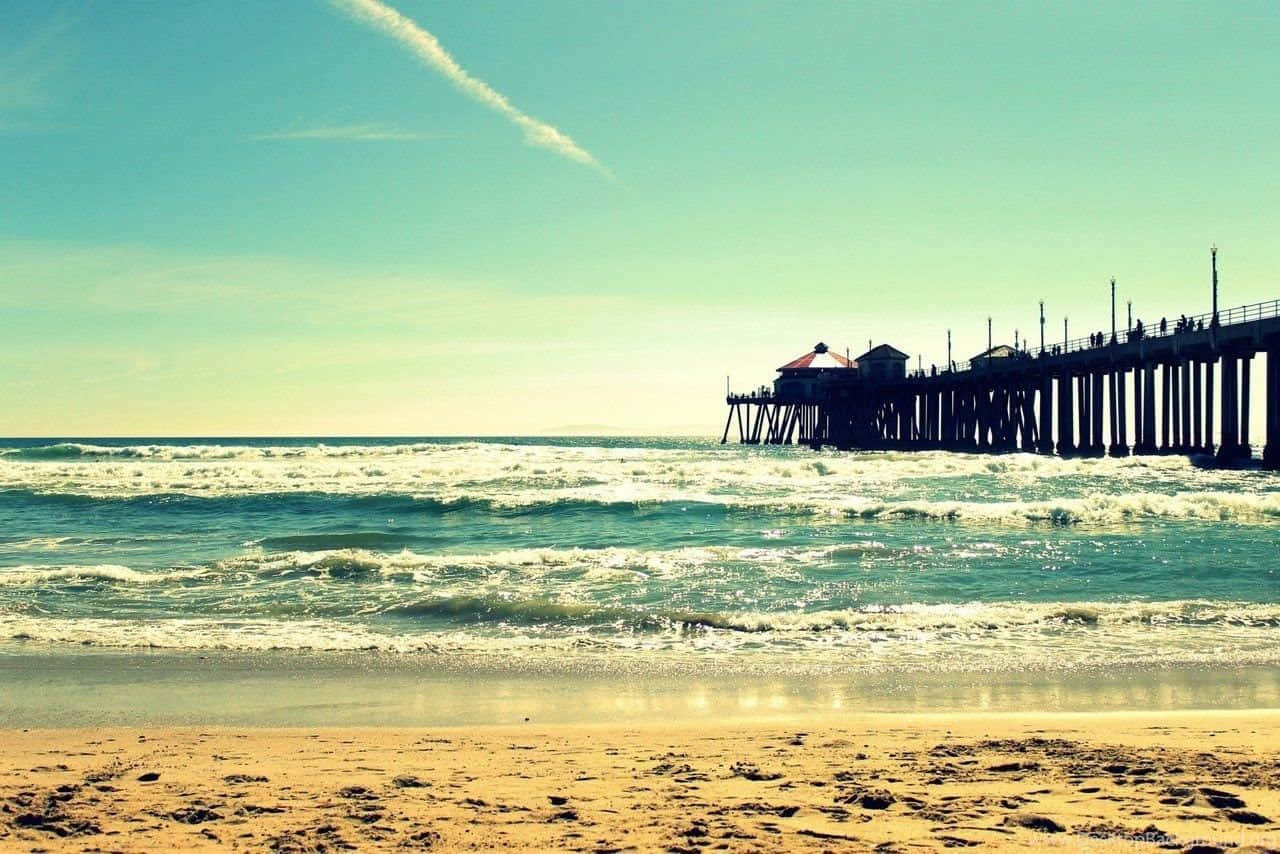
point(94, 687)
point(1094, 780)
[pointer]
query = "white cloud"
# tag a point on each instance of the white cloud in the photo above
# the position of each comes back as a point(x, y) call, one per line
point(364, 132)
point(428, 49)
point(30, 67)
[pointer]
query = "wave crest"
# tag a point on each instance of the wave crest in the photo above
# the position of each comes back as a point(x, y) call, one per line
point(73, 575)
point(949, 636)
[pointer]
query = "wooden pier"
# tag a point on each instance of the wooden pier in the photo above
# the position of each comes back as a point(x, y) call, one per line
point(1185, 389)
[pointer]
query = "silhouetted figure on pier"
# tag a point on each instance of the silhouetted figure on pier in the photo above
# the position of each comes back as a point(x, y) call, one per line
point(1164, 326)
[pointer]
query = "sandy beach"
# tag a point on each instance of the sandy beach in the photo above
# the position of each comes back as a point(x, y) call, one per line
point(1188, 781)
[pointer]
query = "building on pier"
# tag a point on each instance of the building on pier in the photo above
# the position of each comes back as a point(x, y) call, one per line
point(1000, 351)
point(883, 363)
point(805, 377)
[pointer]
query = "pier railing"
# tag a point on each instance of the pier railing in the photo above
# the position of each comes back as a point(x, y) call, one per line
point(763, 394)
point(1175, 326)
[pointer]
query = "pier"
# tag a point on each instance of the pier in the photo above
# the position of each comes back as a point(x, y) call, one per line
point(1182, 388)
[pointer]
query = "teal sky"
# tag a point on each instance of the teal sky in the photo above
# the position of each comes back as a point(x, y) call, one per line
point(257, 218)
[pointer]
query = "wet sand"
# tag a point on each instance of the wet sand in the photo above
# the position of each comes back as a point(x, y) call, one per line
point(1106, 781)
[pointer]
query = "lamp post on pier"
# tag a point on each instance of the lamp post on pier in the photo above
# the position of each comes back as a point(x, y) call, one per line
point(1213, 258)
point(1041, 326)
point(1113, 311)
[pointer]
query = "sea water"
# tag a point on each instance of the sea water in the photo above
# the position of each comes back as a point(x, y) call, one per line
point(642, 558)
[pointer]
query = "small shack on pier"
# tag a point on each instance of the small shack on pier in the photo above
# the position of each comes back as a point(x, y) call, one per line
point(882, 364)
point(1000, 351)
point(802, 378)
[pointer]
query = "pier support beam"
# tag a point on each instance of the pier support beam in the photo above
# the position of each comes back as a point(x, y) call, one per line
point(1083, 421)
point(1137, 410)
point(1096, 445)
point(1185, 387)
point(1197, 407)
point(947, 426)
point(1229, 449)
point(1149, 439)
point(1175, 406)
point(1271, 451)
point(1118, 446)
point(1208, 406)
point(1166, 402)
point(1066, 438)
point(1113, 423)
point(1120, 379)
point(1045, 445)
point(1027, 418)
point(1245, 450)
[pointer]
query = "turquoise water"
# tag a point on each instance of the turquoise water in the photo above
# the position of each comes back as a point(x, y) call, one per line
point(637, 556)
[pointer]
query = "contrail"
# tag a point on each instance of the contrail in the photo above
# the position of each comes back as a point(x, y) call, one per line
point(427, 47)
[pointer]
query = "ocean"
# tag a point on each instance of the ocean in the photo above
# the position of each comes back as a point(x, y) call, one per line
point(639, 562)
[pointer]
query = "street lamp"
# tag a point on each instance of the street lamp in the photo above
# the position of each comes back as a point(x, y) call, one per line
point(1213, 256)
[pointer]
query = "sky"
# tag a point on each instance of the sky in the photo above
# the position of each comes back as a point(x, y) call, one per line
point(349, 217)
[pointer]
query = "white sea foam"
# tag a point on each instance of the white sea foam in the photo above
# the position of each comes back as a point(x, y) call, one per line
point(35, 543)
point(927, 486)
point(990, 636)
point(530, 565)
point(479, 570)
point(27, 575)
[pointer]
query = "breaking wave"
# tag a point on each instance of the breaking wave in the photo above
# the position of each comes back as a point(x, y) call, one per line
point(164, 452)
point(992, 636)
point(1097, 509)
point(409, 566)
point(72, 575)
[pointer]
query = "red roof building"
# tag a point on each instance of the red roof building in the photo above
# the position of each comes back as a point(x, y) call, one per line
point(818, 359)
point(801, 379)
